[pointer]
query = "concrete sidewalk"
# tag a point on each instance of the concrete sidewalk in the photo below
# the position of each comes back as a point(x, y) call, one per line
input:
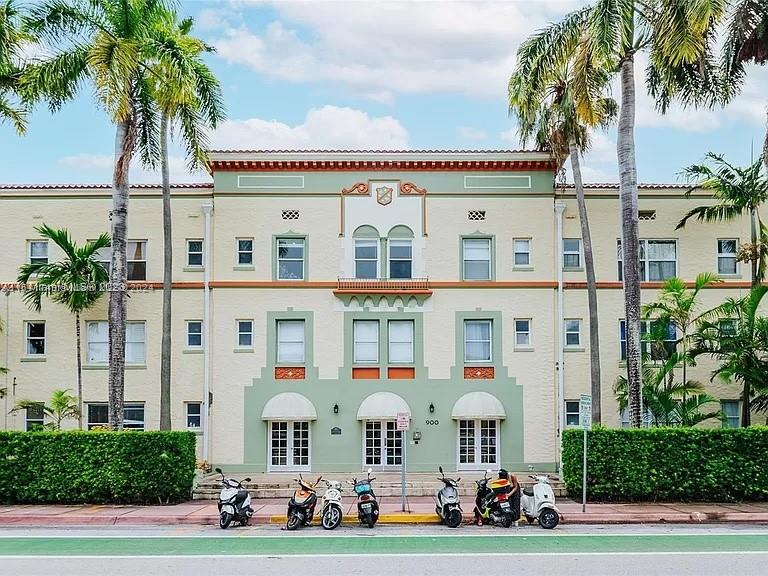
point(267, 511)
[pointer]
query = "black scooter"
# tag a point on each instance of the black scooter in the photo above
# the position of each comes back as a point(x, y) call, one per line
point(367, 506)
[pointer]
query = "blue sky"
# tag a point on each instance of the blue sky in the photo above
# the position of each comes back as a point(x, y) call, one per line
point(376, 75)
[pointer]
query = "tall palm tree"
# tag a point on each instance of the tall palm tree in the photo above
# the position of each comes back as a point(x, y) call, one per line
point(118, 46)
point(189, 95)
point(61, 407)
point(607, 35)
point(738, 191)
point(547, 113)
point(12, 39)
point(77, 282)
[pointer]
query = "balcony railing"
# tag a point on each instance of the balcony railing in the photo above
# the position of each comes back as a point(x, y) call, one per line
point(383, 285)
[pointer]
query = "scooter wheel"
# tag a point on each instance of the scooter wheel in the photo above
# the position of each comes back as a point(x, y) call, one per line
point(549, 518)
point(331, 518)
point(369, 520)
point(225, 519)
point(453, 520)
point(293, 522)
point(506, 520)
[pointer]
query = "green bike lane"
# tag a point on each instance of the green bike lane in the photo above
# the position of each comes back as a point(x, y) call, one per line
point(381, 545)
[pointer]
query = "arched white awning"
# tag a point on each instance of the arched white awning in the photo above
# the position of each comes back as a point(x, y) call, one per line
point(289, 406)
point(382, 406)
point(478, 405)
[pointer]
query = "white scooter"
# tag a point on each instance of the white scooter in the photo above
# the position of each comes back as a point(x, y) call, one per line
point(538, 503)
point(331, 509)
point(234, 502)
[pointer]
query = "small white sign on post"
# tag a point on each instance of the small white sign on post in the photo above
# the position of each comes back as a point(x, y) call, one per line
point(585, 422)
point(403, 421)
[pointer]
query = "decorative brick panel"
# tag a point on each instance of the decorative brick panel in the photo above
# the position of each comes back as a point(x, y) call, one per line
point(401, 373)
point(290, 373)
point(478, 372)
point(365, 373)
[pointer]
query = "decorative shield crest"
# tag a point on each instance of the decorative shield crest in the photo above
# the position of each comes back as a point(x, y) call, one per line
point(384, 195)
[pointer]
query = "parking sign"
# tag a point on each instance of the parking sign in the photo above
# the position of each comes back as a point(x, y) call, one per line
point(585, 411)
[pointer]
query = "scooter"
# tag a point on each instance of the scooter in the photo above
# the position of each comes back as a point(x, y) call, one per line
point(497, 500)
point(301, 506)
point(447, 503)
point(538, 503)
point(367, 507)
point(234, 502)
point(331, 511)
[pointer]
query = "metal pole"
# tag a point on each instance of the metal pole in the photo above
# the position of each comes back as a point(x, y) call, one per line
point(404, 436)
point(207, 210)
point(560, 330)
point(584, 476)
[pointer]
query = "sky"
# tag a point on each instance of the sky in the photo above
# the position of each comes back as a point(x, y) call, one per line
point(376, 75)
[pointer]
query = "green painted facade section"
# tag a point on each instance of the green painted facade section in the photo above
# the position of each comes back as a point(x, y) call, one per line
point(344, 452)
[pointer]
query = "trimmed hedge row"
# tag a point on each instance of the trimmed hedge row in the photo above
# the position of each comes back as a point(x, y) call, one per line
point(669, 464)
point(96, 467)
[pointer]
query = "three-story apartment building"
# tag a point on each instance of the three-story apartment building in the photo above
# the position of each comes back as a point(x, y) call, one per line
point(317, 295)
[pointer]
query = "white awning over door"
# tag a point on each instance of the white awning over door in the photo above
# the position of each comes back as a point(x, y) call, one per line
point(478, 405)
point(289, 406)
point(382, 406)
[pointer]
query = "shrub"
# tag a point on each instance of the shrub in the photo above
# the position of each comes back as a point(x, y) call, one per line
point(669, 464)
point(96, 467)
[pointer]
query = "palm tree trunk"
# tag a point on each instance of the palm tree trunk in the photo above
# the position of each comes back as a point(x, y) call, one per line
point(124, 144)
point(765, 142)
point(630, 243)
point(753, 239)
point(589, 265)
point(165, 359)
point(79, 374)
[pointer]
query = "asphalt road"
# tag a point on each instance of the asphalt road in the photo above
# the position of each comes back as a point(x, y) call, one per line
point(387, 550)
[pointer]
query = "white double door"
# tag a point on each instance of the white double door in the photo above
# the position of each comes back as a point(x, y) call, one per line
point(478, 444)
point(289, 446)
point(382, 444)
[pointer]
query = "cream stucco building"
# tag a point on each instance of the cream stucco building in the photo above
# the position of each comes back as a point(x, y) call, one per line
point(344, 288)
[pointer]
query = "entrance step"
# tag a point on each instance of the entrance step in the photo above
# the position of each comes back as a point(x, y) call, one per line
point(386, 484)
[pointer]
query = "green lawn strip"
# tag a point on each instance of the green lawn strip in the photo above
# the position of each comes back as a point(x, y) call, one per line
point(289, 545)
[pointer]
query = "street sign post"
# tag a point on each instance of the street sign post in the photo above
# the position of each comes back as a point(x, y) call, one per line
point(403, 423)
point(585, 422)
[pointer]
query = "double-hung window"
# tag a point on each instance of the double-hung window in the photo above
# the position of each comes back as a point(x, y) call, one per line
point(136, 259)
point(37, 252)
point(522, 248)
point(290, 341)
point(34, 417)
point(400, 258)
point(193, 415)
point(194, 333)
point(572, 332)
point(477, 340)
point(571, 412)
point(400, 341)
point(732, 413)
point(571, 253)
point(476, 258)
point(664, 339)
point(366, 341)
point(133, 415)
point(135, 341)
point(290, 258)
point(35, 337)
point(195, 253)
point(658, 260)
point(244, 251)
point(367, 258)
point(245, 333)
point(726, 256)
point(522, 332)
point(97, 347)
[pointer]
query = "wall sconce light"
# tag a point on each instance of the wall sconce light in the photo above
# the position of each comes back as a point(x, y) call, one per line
point(431, 408)
point(335, 408)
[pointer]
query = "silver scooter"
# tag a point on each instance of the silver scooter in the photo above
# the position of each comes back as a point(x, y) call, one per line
point(234, 502)
point(447, 505)
point(538, 503)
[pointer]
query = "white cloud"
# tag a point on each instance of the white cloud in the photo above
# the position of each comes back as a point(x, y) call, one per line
point(326, 127)
point(471, 133)
point(511, 136)
point(97, 169)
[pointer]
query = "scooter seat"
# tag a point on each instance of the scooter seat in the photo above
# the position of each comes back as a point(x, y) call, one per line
point(528, 491)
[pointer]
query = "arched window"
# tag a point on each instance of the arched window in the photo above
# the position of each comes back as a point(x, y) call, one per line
point(400, 252)
point(366, 252)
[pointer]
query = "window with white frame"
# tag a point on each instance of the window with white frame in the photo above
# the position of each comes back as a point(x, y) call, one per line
point(195, 253)
point(572, 332)
point(400, 341)
point(290, 341)
point(731, 413)
point(365, 334)
point(477, 340)
point(193, 415)
point(658, 260)
point(478, 444)
point(571, 412)
point(37, 251)
point(244, 251)
point(476, 258)
point(522, 247)
point(35, 337)
point(646, 418)
point(133, 415)
point(290, 258)
point(97, 346)
point(245, 333)
point(726, 256)
point(522, 332)
point(367, 258)
point(400, 258)
point(664, 335)
point(136, 259)
point(571, 252)
point(194, 333)
point(34, 417)
point(728, 327)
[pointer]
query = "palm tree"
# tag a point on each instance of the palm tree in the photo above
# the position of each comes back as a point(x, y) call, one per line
point(194, 101)
point(737, 191)
point(547, 113)
point(606, 36)
point(63, 406)
point(736, 336)
point(77, 282)
point(12, 39)
point(119, 46)
point(3, 369)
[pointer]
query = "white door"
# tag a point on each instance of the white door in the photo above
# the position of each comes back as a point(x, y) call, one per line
point(382, 444)
point(478, 444)
point(289, 446)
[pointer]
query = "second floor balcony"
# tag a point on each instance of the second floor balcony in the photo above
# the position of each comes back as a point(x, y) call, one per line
point(383, 286)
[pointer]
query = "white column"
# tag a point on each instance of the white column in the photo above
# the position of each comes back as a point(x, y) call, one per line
point(207, 211)
point(559, 209)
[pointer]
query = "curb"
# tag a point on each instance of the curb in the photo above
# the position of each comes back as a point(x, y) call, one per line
point(400, 518)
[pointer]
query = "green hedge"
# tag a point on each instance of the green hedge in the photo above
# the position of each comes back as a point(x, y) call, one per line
point(96, 467)
point(669, 464)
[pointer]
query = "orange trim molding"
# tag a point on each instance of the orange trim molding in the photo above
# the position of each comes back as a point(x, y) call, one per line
point(365, 373)
point(401, 373)
point(290, 373)
point(479, 372)
point(381, 165)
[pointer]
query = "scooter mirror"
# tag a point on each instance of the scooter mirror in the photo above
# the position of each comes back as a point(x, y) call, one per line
point(441, 469)
point(246, 479)
point(489, 471)
point(370, 470)
point(218, 470)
